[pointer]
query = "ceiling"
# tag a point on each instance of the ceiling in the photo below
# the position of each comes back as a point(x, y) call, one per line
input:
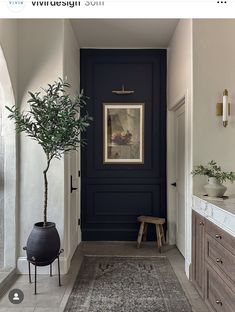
point(124, 33)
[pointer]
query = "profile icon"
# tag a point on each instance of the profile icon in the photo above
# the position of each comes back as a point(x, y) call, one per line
point(16, 296)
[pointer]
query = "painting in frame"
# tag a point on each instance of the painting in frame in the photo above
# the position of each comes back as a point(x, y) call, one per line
point(123, 136)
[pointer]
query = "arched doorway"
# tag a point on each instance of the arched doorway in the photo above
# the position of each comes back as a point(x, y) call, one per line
point(7, 171)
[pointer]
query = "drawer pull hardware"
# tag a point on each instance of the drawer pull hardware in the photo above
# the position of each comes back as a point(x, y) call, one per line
point(219, 260)
point(201, 223)
point(219, 302)
point(218, 236)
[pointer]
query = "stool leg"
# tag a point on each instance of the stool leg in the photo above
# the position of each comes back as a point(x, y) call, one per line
point(140, 234)
point(158, 235)
point(30, 281)
point(59, 270)
point(35, 279)
point(162, 235)
point(145, 232)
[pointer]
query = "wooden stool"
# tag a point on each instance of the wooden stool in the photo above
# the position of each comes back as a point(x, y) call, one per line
point(144, 221)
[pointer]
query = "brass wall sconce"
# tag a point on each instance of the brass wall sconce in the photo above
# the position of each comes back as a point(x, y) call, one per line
point(223, 109)
point(123, 91)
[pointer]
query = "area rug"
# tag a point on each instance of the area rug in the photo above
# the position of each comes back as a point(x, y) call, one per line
point(127, 284)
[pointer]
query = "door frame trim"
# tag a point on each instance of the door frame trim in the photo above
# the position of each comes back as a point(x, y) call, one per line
point(178, 111)
point(186, 100)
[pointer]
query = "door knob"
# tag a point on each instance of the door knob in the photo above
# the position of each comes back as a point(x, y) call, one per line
point(71, 185)
point(219, 302)
point(173, 184)
point(219, 260)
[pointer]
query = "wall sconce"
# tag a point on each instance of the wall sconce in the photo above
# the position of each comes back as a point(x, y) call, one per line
point(223, 109)
point(123, 91)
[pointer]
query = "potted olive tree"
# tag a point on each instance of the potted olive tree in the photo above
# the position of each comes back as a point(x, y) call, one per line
point(54, 121)
point(216, 177)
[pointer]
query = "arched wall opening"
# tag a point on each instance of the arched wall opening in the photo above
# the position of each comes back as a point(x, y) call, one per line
point(7, 171)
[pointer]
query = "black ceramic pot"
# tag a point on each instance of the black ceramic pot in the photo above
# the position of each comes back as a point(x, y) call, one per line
point(43, 244)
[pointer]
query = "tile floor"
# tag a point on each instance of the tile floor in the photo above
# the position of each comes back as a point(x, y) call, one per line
point(52, 298)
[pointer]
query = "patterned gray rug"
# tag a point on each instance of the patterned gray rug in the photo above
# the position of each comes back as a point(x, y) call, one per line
point(127, 284)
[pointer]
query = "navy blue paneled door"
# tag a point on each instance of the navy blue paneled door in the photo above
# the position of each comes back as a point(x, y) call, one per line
point(113, 195)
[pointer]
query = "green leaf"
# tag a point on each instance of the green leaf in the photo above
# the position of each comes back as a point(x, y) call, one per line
point(213, 170)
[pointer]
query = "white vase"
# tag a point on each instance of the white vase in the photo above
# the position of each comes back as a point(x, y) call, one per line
point(214, 188)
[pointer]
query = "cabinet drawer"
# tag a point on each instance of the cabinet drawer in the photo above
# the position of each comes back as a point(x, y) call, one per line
point(220, 257)
point(220, 236)
point(219, 296)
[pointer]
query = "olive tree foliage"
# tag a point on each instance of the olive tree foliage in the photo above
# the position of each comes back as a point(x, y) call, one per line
point(54, 121)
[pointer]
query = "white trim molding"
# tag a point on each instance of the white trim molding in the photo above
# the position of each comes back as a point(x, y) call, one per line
point(188, 180)
point(185, 99)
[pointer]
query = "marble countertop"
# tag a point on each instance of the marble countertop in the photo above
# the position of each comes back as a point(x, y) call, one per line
point(219, 211)
point(227, 204)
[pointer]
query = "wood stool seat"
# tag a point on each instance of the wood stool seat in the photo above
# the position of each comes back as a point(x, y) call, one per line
point(153, 220)
point(144, 221)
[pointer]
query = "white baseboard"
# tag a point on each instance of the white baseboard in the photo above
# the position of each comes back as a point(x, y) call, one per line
point(187, 268)
point(22, 266)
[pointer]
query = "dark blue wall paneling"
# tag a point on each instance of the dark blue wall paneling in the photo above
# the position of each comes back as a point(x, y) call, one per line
point(113, 195)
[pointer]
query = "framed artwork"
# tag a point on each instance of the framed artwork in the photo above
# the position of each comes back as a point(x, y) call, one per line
point(123, 136)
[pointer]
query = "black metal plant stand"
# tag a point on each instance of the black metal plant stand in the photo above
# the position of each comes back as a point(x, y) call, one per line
point(34, 262)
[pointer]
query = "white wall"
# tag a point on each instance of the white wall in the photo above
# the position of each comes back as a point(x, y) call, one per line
point(71, 72)
point(40, 62)
point(179, 85)
point(9, 44)
point(8, 178)
point(179, 62)
point(8, 93)
point(214, 70)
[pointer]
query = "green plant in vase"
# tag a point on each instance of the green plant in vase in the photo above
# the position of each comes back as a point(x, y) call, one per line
point(216, 177)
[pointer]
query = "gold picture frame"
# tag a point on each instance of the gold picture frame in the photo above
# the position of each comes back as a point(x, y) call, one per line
point(123, 133)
